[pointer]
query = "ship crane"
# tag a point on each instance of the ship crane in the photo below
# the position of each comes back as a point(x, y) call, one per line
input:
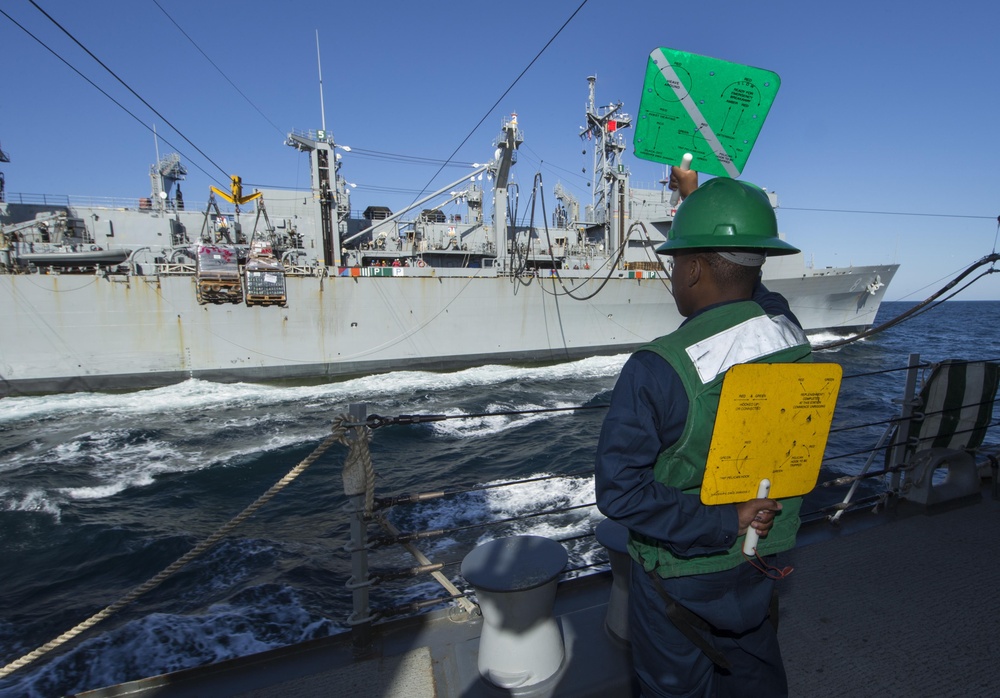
point(610, 176)
point(236, 197)
point(220, 227)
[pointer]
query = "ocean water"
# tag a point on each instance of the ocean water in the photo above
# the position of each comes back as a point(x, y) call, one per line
point(99, 492)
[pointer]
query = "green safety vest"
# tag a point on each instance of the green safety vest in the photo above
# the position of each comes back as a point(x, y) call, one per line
point(701, 351)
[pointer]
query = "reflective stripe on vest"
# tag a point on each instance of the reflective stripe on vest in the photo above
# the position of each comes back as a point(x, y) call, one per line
point(743, 343)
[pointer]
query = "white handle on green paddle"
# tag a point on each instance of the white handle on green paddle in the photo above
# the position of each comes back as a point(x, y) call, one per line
point(750, 544)
point(685, 165)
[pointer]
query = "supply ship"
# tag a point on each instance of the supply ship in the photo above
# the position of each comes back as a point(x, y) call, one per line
point(298, 286)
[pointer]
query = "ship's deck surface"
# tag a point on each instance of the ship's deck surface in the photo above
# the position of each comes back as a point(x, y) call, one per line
point(907, 609)
point(910, 608)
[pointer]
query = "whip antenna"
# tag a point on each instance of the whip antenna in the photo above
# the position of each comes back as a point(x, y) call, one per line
point(319, 66)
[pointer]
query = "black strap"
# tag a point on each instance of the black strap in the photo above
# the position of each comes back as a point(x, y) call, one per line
point(692, 626)
point(773, 610)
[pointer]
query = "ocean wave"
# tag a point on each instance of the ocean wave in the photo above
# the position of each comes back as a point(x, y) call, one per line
point(33, 500)
point(568, 499)
point(818, 339)
point(193, 396)
point(264, 618)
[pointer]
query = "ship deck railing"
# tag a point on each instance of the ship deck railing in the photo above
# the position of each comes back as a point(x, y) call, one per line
point(116, 203)
point(176, 269)
point(183, 269)
point(893, 452)
point(303, 270)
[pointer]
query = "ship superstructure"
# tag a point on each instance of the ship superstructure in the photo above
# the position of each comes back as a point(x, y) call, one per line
point(294, 285)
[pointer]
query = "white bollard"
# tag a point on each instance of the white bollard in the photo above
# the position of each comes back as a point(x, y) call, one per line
point(515, 580)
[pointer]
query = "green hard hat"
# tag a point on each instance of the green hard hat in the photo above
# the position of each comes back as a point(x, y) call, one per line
point(724, 214)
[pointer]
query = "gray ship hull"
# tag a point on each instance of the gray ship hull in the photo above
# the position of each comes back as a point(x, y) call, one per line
point(107, 332)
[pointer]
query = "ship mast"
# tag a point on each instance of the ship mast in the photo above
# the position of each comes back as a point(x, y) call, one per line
point(506, 144)
point(331, 199)
point(610, 176)
point(319, 67)
point(330, 196)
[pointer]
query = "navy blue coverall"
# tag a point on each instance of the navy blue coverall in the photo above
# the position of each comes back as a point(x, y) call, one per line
point(647, 415)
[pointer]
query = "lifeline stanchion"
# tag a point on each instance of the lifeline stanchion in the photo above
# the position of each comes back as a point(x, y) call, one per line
point(359, 487)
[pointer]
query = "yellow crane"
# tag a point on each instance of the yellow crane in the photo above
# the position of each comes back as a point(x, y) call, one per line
point(235, 195)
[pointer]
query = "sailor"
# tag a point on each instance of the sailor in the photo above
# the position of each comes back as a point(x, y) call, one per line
point(699, 611)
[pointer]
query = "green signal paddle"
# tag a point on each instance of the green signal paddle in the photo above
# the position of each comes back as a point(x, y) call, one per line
point(710, 108)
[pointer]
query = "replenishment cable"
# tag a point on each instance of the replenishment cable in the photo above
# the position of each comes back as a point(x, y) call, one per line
point(924, 305)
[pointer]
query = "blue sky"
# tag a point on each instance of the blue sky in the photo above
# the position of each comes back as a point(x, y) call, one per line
point(882, 108)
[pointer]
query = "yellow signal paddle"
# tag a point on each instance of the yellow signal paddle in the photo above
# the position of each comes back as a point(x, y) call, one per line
point(770, 433)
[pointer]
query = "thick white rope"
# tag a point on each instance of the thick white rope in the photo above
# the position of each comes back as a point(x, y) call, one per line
point(358, 453)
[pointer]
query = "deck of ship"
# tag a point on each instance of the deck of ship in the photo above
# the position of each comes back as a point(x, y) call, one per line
point(908, 608)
